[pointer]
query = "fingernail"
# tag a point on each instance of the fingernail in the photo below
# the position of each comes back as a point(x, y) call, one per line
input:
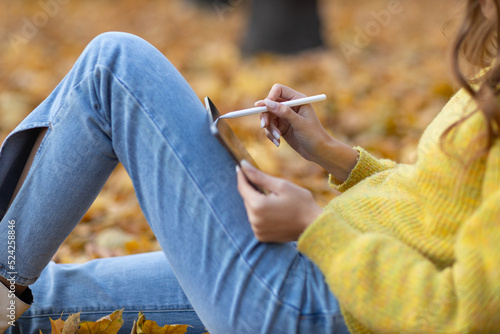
point(237, 169)
point(276, 143)
point(258, 102)
point(271, 104)
point(262, 123)
point(246, 164)
point(276, 135)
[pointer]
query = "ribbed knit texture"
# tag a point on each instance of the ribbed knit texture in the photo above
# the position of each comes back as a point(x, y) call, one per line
point(416, 248)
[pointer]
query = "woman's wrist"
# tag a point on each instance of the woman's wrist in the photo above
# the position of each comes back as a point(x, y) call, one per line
point(337, 158)
point(309, 216)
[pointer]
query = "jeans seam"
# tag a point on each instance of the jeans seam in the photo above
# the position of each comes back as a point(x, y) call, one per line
point(240, 252)
point(108, 311)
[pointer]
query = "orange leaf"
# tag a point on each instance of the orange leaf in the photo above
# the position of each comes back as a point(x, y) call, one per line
point(109, 324)
point(57, 325)
point(144, 326)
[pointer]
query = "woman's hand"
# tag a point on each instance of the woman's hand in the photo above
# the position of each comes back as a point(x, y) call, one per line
point(302, 130)
point(280, 216)
point(299, 126)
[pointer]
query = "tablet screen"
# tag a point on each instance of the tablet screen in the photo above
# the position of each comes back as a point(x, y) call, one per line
point(226, 136)
point(223, 132)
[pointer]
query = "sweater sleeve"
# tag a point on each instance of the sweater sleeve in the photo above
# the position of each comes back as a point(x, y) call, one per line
point(384, 285)
point(366, 166)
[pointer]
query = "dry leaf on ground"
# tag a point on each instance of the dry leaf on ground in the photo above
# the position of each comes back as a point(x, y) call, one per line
point(72, 324)
point(143, 326)
point(57, 326)
point(109, 324)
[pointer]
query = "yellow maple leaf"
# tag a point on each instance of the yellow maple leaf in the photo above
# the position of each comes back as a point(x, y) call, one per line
point(109, 324)
point(71, 324)
point(57, 325)
point(143, 326)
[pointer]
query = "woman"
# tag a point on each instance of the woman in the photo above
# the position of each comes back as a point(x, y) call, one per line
point(405, 248)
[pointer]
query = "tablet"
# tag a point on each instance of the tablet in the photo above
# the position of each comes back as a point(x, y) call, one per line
point(228, 139)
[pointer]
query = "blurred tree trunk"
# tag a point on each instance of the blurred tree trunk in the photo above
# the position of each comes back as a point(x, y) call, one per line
point(277, 26)
point(283, 26)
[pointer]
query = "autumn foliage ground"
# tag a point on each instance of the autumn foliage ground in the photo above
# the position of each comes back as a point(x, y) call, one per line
point(381, 98)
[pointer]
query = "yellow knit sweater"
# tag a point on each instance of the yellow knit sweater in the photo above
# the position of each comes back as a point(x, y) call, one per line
point(416, 248)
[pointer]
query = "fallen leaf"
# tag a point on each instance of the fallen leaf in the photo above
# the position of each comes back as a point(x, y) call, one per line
point(143, 326)
point(57, 325)
point(134, 326)
point(71, 324)
point(109, 324)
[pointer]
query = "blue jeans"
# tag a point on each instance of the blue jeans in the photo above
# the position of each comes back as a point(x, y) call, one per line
point(124, 102)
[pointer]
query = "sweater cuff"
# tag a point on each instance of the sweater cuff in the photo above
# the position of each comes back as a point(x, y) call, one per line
point(366, 166)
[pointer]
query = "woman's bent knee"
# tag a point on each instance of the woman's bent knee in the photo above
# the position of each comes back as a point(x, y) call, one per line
point(115, 38)
point(125, 55)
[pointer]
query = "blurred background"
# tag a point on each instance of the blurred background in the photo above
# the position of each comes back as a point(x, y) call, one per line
point(382, 63)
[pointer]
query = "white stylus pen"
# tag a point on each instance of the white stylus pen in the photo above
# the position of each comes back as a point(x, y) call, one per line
point(258, 110)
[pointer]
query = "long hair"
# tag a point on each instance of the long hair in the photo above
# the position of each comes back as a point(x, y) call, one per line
point(476, 47)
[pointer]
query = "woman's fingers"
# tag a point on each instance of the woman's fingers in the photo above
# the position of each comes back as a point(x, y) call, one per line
point(264, 119)
point(282, 111)
point(269, 120)
point(280, 92)
point(269, 123)
point(244, 188)
point(260, 178)
point(257, 177)
point(271, 137)
point(280, 216)
point(274, 130)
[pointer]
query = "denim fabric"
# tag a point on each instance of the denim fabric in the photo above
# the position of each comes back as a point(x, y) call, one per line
point(143, 282)
point(124, 102)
